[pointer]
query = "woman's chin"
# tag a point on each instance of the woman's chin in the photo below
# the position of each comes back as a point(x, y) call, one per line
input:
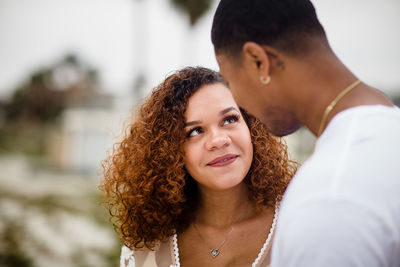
point(225, 184)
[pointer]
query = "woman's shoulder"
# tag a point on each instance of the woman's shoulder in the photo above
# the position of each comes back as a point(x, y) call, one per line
point(137, 258)
point(145, 257)
point(127, 259)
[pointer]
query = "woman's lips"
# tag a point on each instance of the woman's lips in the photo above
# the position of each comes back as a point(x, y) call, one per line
point(222, 161)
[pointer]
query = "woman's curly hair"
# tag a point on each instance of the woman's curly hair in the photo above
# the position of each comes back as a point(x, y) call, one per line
point(149, 192)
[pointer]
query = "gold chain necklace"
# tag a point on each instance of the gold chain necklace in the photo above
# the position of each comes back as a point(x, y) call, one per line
point(333, 104)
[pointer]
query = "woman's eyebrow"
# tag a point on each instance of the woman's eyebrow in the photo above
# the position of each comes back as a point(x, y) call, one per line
point(190, 123)
point(227, 110)
point(222, 112)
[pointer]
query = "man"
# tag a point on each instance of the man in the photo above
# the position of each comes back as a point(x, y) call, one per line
point(343, 206)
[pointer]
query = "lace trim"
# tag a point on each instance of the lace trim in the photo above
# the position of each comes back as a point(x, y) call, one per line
point(271, 232)
point(176, 251)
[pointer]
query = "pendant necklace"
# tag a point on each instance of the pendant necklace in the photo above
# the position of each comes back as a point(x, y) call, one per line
point(213, 251)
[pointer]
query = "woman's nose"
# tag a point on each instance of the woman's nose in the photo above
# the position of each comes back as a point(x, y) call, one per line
point(216, 141)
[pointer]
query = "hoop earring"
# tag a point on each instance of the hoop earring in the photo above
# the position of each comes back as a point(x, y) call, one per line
point(265, 80)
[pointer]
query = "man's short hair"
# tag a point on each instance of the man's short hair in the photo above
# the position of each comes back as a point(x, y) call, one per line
point(286, 25)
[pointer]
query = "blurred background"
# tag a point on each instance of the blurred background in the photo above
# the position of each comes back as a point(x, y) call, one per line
point(72, 71)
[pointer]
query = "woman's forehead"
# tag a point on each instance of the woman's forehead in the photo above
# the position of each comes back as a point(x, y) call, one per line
point(210, 99)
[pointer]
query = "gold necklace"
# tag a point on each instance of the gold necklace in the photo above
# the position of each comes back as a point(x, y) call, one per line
point(333, 104)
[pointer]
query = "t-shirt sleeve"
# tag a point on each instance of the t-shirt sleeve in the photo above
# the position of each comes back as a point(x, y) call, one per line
point(325, 232)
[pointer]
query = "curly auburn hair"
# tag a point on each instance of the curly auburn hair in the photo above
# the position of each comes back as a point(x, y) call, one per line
point(149, 192)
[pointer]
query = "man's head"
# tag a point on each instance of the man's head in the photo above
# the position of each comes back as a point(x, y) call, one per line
point(255, 39)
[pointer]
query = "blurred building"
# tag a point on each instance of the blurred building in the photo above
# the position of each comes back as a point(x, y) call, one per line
point(83, 136)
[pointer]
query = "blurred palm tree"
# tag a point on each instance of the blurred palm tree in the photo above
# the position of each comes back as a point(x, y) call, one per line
point(50, 90)
point(194, 8)
point(38, 104)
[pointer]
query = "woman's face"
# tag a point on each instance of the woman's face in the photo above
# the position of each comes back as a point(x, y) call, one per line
point(218, 148)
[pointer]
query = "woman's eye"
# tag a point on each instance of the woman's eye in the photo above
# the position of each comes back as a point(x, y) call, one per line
point(230, 119)
point(194, 132)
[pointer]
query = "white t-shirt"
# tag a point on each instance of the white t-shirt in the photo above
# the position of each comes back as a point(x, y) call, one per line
point(342, 208)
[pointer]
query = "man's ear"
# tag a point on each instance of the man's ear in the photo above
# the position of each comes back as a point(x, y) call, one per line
point(256, 59)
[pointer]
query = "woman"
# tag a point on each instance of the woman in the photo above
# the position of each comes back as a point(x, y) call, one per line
point(197, 180)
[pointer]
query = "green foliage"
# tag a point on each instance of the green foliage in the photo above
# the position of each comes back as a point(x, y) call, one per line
point(37, 104)
point(23, 138)
point(194, 8)
point(50, 91)
point(11, 251)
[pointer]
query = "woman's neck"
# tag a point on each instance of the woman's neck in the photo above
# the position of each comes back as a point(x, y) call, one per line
point(222, 209)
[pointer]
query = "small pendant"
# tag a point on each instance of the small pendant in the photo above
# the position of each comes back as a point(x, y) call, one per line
point(214, 253)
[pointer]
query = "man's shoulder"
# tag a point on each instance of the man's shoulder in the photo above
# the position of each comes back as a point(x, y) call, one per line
point(374, 118)
point(326, 231)
point(341, 208)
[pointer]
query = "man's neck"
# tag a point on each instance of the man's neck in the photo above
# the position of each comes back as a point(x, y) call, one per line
point(316, 86)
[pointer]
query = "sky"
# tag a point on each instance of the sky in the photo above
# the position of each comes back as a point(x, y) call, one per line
point(125, 38)
point(38, 33)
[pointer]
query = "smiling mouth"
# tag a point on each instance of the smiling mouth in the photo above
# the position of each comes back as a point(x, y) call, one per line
point(223, 161)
